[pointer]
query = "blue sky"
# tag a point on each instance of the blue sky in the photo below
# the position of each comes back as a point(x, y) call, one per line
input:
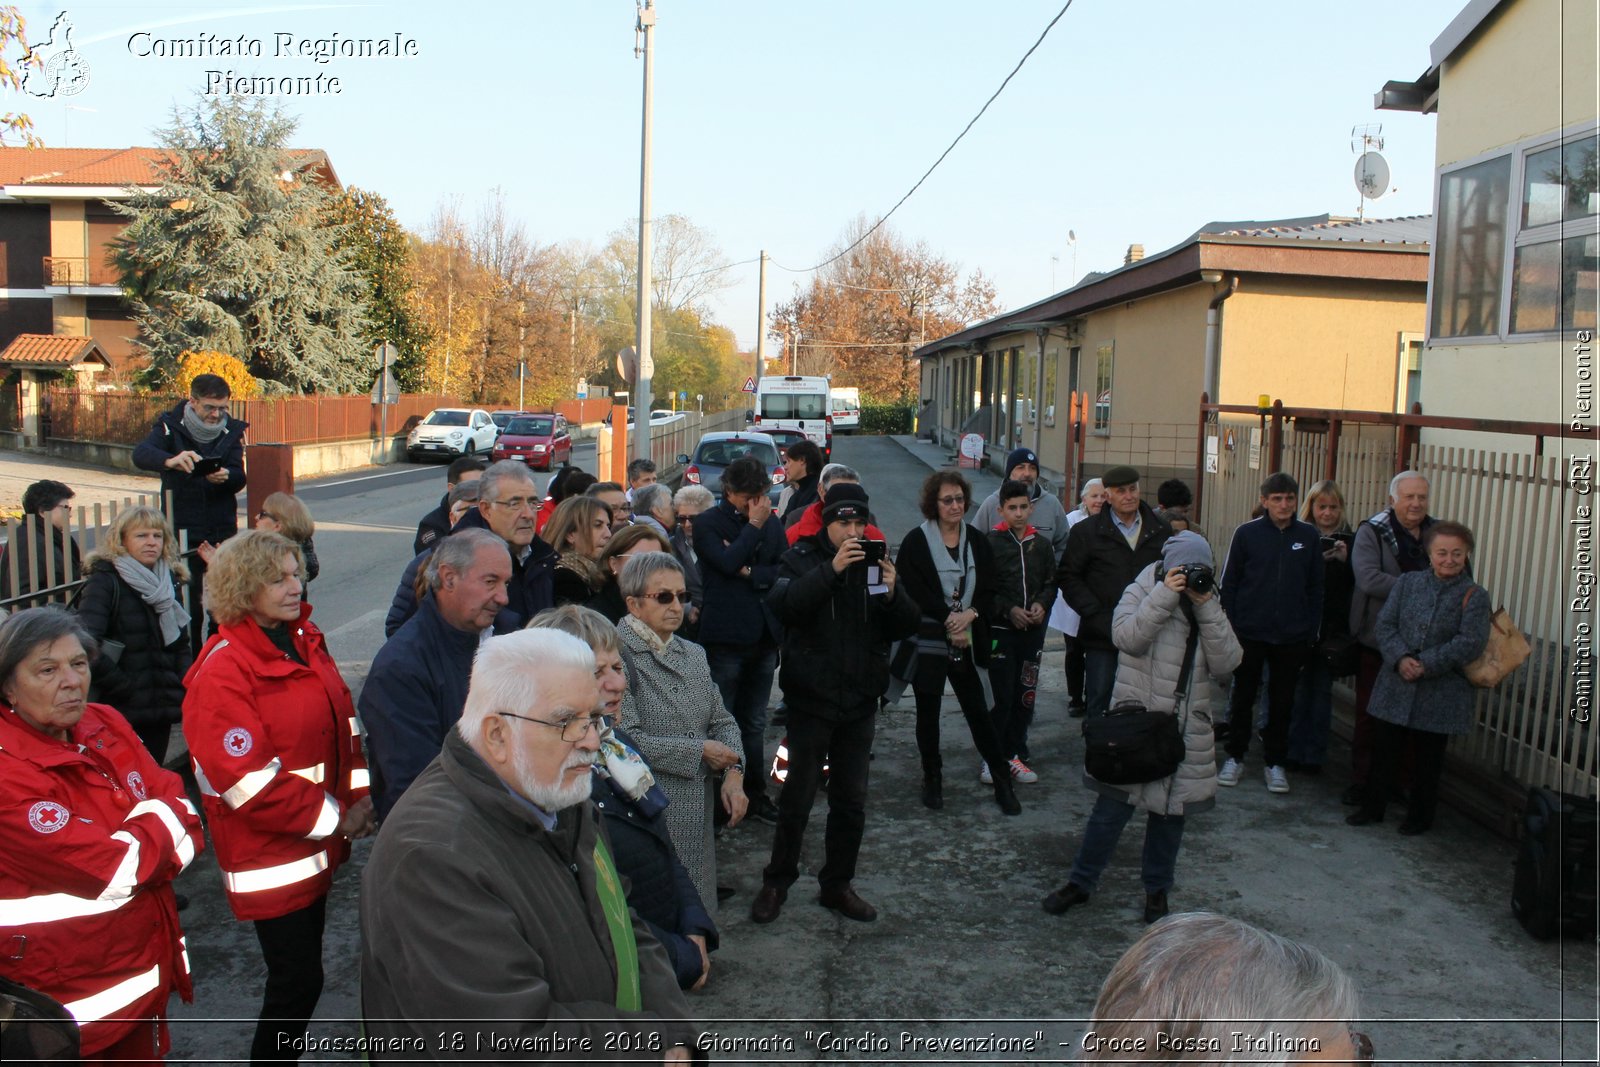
point(777, 124)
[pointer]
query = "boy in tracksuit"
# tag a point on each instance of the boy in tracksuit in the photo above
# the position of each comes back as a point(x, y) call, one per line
point(1025, 577)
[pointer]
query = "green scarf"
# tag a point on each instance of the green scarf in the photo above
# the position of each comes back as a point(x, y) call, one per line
point(612, 901)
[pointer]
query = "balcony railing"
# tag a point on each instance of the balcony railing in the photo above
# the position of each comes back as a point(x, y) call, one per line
point(78, 270)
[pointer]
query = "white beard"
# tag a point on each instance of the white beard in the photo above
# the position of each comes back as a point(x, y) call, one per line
point(552, 797)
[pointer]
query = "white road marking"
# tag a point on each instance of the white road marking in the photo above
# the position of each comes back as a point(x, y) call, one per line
point(360, 622)
point(363, 478)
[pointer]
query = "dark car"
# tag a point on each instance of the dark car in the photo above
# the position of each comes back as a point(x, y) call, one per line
point(539, 439)
point(502, 418)
point(717, 450)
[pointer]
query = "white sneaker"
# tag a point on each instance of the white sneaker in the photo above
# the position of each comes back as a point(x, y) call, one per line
point(1231, 769)
point(984, 776)
point(1022, 772)
point(1277, 780)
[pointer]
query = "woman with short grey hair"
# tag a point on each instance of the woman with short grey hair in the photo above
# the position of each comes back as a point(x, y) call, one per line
point(1204, 988)
point(675, 713)
point(688, 502)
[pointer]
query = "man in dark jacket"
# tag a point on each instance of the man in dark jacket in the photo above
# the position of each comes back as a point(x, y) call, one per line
point(839, 614)
point(436, 523)
point(1272, 592)
point(199, 453)
point(417, 685)
point(1104, 553)
point(739, 543)
point(506, 505)
point(1024, 588)
point(802, 467)
point(39, 548)
point(490, 898)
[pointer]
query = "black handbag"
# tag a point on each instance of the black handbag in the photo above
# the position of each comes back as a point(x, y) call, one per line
point(1341, 653)
point(1131, 745)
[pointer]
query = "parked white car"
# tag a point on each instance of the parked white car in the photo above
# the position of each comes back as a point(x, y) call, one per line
point(452, 432)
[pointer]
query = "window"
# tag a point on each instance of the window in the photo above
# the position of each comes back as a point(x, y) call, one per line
point(1102, 389)
point(1408, 386)
point(1052, 360)
point(1546, 241)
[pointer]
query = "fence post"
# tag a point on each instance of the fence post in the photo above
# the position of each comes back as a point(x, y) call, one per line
point(1408, 436)
point(1275, 438)
point(1200, 455)
point(1330, 465)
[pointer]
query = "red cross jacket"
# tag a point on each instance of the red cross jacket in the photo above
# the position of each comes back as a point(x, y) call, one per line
point(93, 831)
point(277, 755)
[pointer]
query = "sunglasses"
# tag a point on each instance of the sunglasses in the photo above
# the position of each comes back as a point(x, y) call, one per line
point(266, 515)
point(665, 597)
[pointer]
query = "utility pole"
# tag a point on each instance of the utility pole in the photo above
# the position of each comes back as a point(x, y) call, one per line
point(644, 30)
point(761, 319)
point(522, 360)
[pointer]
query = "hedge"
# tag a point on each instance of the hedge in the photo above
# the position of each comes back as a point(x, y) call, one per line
point(886, 418)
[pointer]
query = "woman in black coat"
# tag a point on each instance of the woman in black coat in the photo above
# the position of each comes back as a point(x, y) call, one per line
point(946, 566)
point(131, 599)
point(1313, 697)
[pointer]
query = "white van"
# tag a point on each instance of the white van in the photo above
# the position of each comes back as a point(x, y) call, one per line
point(846, 401)
point(796, 402)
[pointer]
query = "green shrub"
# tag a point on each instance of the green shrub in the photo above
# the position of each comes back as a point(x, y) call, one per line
point(886, 418)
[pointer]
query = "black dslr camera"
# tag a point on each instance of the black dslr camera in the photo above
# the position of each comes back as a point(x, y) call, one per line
point(1197, 576)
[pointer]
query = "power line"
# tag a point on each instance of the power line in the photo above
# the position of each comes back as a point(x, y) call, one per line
point(964, 131)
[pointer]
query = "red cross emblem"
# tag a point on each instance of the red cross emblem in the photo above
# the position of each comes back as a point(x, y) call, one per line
point(47, 816)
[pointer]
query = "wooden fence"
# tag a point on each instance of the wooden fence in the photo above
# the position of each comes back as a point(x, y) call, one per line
point(121, 418)
point(1532, 729)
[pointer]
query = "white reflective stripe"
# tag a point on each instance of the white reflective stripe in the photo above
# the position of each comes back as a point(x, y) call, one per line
point(54, 907)
point(126, 879)
point(327, 820)
point(248, 786)
point(169, 818)
point(359, 779)
point(110, 1001)
point(183, 950)
point(188, 805)
point(202, 781)
point(314, 775)
point(355, 727)
point(275, 877)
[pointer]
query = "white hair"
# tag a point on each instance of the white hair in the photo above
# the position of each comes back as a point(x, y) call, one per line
point(509, 671)
point(696, 496)
point(1090, 486)
point(837, 472)
point(1406, 476)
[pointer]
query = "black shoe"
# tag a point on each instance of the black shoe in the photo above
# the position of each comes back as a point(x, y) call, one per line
point(1353, 797)
point(1068, 896)
point(763, 809)
point(1312, 769)
point(725, 892)
point(1362, 817)
point(847, 903)
point(183, 900)
point(780, 715)
point(932, 791)
point(1155, 906)
point(1006, 797)
point(768, 903)
point(1411, 828)
point(1077, 709)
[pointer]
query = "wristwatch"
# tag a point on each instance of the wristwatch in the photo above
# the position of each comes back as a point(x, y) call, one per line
point(737, 767)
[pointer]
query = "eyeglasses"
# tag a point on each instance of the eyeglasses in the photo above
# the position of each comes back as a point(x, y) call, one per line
point(1362, 1044)
point(518, 503)
point(266, 515)
point(210, 409)
point(572, 730)
point(665, 597)
point(948, 500)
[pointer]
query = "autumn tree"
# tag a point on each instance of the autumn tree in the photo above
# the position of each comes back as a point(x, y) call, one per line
point(868, 309)
point(377, 248)
point(13, 31)
point(234, 252)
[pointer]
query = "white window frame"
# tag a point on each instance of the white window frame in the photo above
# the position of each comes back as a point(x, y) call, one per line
point(1095, 427)
point(1410, 344)
point(1516, 236)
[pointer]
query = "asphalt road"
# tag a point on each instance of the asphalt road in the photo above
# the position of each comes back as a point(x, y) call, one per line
point(961, 948)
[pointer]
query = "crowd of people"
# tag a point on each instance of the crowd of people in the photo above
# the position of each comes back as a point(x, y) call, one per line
point(573, 701)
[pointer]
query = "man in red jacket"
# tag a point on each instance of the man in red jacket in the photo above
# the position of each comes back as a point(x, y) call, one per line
point(809, 524)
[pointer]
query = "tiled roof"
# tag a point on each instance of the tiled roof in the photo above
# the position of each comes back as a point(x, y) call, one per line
point(116, 167)
point(1409, 229)
point(52, 350)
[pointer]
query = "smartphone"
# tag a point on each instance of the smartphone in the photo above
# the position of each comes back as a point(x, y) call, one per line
point(876, 551)
point(206, 466)
point(1329, 543)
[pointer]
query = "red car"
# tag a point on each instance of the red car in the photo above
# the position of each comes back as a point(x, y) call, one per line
point(539, 439)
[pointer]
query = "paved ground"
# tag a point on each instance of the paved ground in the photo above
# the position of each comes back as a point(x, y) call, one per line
point(962, 949)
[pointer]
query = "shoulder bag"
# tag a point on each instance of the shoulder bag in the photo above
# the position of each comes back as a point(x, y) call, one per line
point(1130, 744)
point(1505, 651)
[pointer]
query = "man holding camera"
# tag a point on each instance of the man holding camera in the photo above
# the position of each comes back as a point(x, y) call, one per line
point(1272, 592)
point(840, 605)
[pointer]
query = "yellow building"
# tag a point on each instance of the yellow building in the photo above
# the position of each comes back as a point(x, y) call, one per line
point(1513, 293)
point(1318, 312)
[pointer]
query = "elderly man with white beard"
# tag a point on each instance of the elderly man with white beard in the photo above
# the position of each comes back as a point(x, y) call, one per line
point(491, 910)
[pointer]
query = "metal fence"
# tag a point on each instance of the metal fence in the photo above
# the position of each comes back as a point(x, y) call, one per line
point(1517, 502)
point(123, 418)
point(670, 440)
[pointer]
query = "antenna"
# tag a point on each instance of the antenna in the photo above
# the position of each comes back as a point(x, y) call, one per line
point(1372, 170)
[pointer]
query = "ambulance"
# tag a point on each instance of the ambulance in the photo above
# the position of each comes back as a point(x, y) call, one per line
point(796, 402)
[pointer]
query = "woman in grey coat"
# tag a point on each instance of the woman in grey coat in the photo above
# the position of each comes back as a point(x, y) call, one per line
point(1151, 628)
point(1434, 623)
point(675, 713)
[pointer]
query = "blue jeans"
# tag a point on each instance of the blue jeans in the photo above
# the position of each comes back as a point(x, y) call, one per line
point(1162, 836)
point(743, 675)
point(1099, 674)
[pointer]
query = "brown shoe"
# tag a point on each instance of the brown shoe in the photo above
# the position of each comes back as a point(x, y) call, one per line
point(845, 901)
point(768, 903)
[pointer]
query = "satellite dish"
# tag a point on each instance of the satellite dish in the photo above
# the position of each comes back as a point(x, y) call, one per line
point(1372, 175)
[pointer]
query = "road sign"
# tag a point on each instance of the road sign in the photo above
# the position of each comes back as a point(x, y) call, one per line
point(583, 388)
point(387, 354)
point(628, 364)
point(385, 390)
point(749, 385)
point(683, 394)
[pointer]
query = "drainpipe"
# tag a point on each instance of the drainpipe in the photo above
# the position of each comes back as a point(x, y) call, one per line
point(1214, 335)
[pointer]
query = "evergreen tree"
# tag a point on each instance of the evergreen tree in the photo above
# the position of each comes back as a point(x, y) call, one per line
point(235, 253)
point(379, 249)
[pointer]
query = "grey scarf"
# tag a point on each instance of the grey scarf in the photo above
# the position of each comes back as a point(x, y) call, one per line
point(952, 571)
point(198, 428)
point(154, 586)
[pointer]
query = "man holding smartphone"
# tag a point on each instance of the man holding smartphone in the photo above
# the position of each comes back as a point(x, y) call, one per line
point(840, 606)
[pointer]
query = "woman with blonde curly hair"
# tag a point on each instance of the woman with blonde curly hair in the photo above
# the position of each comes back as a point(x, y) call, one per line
point(131, 604)
point(287, 514)
point(578, 530)
point(277, 755)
